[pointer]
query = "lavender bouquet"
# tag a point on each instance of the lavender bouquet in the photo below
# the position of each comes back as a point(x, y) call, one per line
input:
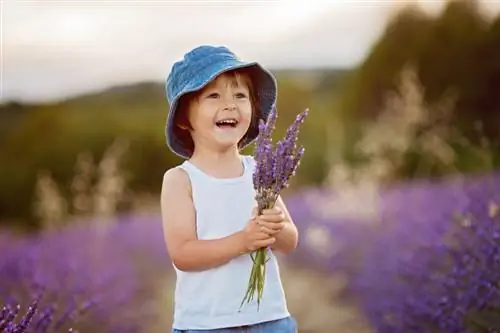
point(275, 165)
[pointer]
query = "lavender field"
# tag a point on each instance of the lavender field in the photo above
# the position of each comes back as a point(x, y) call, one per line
point(397, 198)
point(420, 256)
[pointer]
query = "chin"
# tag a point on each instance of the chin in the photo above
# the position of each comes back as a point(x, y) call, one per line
point(228, 139)
point(227, 144)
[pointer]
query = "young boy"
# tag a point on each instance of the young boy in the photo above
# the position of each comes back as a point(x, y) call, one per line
point(207, 202)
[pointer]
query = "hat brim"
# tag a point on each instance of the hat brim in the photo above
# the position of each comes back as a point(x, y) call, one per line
point(265, 93)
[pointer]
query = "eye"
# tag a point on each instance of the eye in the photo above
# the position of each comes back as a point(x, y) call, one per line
point(241, 95)
point(213, 95)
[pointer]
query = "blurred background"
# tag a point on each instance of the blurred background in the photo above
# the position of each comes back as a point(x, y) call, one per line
point(403, 135)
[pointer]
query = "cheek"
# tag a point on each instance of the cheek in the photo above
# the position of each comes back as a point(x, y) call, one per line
point(202, 118)
point(246, 112)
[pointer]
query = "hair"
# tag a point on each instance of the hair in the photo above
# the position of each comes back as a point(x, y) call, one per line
point(182, 126)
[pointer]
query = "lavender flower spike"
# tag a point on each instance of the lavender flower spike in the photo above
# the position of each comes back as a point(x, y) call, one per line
point(275, 165)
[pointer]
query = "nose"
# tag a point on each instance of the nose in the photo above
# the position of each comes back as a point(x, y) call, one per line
point(230, 107)
point(228, 100)
point(229, 104)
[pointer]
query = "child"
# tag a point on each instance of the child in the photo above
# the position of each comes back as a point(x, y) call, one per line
point(207, 202)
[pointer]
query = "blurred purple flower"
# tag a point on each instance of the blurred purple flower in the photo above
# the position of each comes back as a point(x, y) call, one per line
point(431, 263)
point(88, 273)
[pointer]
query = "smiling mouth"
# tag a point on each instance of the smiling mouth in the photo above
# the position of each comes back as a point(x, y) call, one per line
point(227, 123)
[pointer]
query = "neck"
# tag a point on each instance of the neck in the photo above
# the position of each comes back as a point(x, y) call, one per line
point(223, 163)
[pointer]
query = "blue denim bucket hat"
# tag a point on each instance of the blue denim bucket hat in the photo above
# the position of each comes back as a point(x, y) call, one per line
point(197, 69)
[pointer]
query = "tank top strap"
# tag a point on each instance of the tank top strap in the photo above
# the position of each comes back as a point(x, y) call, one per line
point(249, 162)
point(196, 174)
point(192, 170)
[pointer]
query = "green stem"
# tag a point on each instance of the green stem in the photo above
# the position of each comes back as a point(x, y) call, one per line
point(259, 259)
point(257, 277)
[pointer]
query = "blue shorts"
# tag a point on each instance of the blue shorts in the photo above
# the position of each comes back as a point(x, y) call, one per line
point(285, 325)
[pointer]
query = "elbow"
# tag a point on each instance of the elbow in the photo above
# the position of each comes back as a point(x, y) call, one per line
point(292, 247)
point(289, 248)
point(285, 247)
point(181, 259)
point(288, 244)
point(188, 262)
point(183, 264)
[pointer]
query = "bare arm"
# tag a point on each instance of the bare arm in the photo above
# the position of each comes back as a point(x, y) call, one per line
point(178, 216)
point(287, 239)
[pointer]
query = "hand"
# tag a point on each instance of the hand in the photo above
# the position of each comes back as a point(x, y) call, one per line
point(255, 235)
point(272, 220)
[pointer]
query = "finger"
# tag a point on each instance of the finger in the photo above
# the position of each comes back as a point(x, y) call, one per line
point(272, 218)
point(255, 225)
point(261, 235)
point(265, 242)
point(267, 224)
point(271, 225)
point(272, 211)
point(268, 231)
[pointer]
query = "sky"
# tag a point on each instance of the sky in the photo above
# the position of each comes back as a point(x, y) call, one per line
point(57, 49)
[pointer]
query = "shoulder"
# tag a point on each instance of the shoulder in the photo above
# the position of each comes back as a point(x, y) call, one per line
point(175, 179)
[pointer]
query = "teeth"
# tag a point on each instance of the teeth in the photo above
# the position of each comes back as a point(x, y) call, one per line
point(227, 122)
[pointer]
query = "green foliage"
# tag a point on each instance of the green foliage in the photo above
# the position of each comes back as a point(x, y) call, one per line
point(456, 55)
point(403, 38)
point(484, 321)
point(51, 136)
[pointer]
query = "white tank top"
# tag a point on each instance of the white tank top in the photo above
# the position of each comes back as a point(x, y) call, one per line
point(211, 299)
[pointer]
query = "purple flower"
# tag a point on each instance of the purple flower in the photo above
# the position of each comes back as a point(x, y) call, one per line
point(429, 263)
point(275, 165)
point(29, 321)
point(90, 277)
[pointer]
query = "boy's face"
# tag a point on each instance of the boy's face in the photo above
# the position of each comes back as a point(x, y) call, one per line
point(221, 114)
